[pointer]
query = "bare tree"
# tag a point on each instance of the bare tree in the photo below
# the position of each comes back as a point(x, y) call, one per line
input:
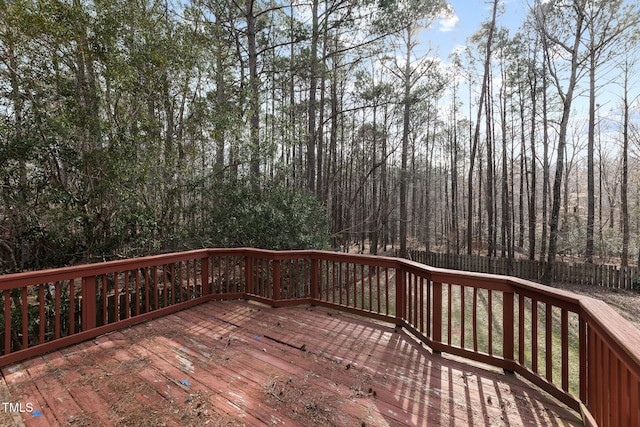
point(476, 136)
point(561, 24)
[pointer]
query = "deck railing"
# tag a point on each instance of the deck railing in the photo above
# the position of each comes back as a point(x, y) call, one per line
point(576, 348)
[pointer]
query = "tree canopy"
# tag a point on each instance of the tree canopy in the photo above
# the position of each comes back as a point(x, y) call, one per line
point(129, 128)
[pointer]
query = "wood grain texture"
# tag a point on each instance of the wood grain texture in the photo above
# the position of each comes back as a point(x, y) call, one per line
point(239, 363)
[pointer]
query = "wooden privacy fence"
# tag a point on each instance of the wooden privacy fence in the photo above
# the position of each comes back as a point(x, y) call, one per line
point(611, 276)
point(574, 347)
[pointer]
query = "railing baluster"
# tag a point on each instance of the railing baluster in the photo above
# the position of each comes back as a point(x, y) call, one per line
point(508, 326)
point(549, 342)
point(362, 286)
point(534, 336)
point(260, 276)
point(276, 280)
point(340, 282)
point(421, 329)
point(194, 292)
point(429, 307)
point(127, 295)
point(378, 296)
point(564, 338)
point(614, 390)
point(463, 291)
point(72, 307)
point(165, 285)
point(583, 339)
point(490, 322)
point(606, 382)
point(7, 321)
point(634, 396)
point(400, 296)
point(116, 297)
point(105, 299)
point(437, 312)
point(298, 271)
point(57, 308)
point(521, 329)
point(248, 274)
point(315, 278)
point(347, 279)
point(25, 318)
point(355, 284)
point(41, 313)
point(415, 300)
point(324, 283)
point(386, 291)
point(591, 386)
point(369, 278)
point(146, 290)
point(188, 273)
point(449, 313)
point(474, 318)
point(624, 393)
point(233, 266)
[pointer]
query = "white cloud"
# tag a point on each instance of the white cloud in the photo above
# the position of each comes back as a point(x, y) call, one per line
point(448, 24)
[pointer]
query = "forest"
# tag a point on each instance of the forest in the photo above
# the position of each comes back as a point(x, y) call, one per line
point(131, 128)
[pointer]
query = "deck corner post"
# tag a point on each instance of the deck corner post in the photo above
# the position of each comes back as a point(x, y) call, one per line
point(248, 274)
point(204, 272)
point(88, 306)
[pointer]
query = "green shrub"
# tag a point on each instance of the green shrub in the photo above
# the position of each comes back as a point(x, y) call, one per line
point(275, 218)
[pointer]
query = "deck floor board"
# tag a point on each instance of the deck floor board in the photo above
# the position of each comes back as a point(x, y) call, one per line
point(237, 363)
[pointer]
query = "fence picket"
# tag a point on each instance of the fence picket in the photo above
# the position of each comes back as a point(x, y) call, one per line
point(606, 275)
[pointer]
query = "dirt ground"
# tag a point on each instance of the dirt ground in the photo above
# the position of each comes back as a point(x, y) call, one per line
point(625, 302)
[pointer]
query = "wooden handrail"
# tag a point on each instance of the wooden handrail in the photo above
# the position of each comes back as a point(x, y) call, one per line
point(536, 331)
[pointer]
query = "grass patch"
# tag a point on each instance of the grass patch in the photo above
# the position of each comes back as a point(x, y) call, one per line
point(365, 288)
point(462, 304)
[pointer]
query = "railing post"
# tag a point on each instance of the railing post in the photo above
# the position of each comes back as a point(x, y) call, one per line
point(508, 327)
point(400, 296)
point(276, 280)
point(437, 313)
point(88, 303)
point(314, 278)
point(204, 273)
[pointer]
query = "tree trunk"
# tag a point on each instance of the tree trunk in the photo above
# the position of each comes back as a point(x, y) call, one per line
point(313, 70)
point(454, 175)
point(591, 187)
point(533, 207)
point(491, 234)
point(476, 137)
point(254, 96)
point(624, 197)
point(567, 98)
point(404, 178)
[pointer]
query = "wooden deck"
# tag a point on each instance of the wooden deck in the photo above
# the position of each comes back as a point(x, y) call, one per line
point(238, 363)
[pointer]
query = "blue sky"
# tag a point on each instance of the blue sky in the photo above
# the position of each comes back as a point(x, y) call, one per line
point(446, 34)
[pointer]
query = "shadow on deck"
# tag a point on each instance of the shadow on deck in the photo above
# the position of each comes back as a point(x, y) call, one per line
point(240, 363)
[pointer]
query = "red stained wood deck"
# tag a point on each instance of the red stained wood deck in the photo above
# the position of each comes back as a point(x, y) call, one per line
point(238, 363)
